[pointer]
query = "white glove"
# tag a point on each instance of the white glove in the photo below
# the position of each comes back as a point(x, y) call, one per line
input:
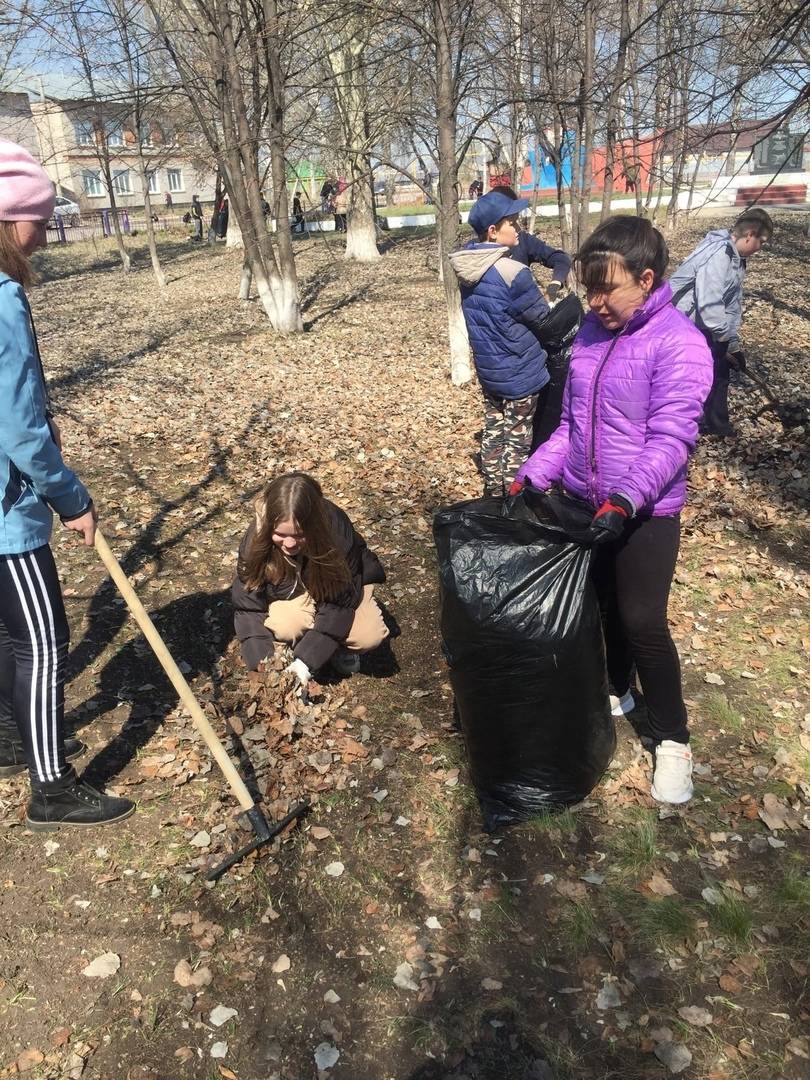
point(300, 670)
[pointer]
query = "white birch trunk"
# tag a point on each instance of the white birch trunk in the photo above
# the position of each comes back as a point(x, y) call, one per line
point(351, 92)
point(246, 277)
point(447, 218)
point(361, 230)
point(460, 365)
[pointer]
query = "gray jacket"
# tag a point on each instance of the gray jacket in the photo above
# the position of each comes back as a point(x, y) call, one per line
point(707, 286)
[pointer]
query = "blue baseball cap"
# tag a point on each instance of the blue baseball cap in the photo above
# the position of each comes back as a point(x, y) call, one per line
point(492, 208)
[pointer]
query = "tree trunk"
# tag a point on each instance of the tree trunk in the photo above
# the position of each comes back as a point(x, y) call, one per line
point(245, 281)
point(361, 227)
point(351, 94)
point(563, 205)
point(160, 277)
point(460, 361)
point(284, 276)
point(586, 122)
point(613, 106)
point(126, 262)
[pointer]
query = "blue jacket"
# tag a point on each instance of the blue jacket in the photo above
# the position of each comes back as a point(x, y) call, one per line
point(34, 479)
point(531, 249)
point(501, 303)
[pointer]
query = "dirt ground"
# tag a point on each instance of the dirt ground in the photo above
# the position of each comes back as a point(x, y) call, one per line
point(387, 937)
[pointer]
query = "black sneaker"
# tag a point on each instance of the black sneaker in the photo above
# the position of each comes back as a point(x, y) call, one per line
point(12, 755)
point(70, 801)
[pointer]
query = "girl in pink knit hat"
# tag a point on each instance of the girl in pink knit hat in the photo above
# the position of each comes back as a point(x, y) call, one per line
point(35, 482)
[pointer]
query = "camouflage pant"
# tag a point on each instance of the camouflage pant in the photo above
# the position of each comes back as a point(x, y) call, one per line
point(506, 441)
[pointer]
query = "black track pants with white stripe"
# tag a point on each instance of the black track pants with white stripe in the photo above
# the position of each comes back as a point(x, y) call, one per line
point(34, 640)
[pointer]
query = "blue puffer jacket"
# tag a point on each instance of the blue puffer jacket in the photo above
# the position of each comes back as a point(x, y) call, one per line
point(501, 302)
point(33, 476)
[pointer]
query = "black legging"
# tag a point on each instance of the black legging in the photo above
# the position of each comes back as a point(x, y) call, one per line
point(549, 405)
point(633, 576)
point(715, 412)
point(34, 639)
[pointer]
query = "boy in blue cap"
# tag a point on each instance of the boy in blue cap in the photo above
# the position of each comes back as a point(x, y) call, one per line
point(531, 249)
point(503, 309)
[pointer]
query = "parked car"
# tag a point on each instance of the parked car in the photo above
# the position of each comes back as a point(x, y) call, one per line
point(67, 210)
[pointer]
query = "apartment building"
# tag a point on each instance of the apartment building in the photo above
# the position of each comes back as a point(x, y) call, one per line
point(77, 137)
point(17, 123)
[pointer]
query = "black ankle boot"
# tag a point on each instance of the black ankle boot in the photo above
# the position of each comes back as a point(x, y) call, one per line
point(70, 801)
point(12, 755)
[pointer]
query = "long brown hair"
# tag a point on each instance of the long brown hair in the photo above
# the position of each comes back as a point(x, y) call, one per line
point(297, 497)
point(12, 260)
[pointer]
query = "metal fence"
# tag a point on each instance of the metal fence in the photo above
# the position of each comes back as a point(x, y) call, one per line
point(72, 228)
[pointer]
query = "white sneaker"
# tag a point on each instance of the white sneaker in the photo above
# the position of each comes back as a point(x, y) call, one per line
point(346, 662)
point(621, 706)
point(672, 774)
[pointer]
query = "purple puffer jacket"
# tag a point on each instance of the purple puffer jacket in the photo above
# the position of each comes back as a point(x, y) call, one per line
point(630, 412)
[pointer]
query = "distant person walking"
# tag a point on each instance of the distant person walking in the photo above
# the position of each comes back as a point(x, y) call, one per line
point(222, 219)
point(35, 482)
point(298, 220)
point(167, 199)
point(197, 218)
point(327, 193)
point(341, 204)
point(632, 171)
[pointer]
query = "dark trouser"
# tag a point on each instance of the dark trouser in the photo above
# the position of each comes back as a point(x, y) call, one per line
point(34, 640)
point(715, 411)
point(633, 576)
point(549, 405)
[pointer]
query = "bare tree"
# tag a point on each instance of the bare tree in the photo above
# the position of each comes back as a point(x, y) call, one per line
point(229, 60)
point(142, 93)
point(77, 34)
point(351, 30)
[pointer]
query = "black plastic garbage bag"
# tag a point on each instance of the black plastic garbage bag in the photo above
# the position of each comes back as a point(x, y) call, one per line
point(522, 635)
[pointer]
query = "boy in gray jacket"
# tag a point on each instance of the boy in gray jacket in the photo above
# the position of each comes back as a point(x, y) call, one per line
point(707, 287)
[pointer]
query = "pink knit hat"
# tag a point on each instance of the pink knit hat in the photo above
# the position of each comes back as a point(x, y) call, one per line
point(26, 193)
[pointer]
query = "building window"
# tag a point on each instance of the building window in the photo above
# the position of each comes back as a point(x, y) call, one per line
point(91, 182)
point(175, 178)
point(83, 130)
point(145, 135)
point(115, 135)
point(152, 177)
point(122, 182)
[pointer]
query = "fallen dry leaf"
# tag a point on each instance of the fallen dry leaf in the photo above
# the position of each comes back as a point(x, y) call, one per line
point(696, 1016)
point(185, 976)
point(29, 1059)
point(103, 966)
point(777, 814)
point(659, 885)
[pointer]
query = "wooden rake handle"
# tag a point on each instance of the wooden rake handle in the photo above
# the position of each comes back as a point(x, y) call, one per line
point(190, 703)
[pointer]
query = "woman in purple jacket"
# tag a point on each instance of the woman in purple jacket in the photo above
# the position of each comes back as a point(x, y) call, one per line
point(640, 372)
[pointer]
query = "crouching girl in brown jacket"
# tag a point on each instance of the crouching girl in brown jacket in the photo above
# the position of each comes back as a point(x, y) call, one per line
point(305, 577)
